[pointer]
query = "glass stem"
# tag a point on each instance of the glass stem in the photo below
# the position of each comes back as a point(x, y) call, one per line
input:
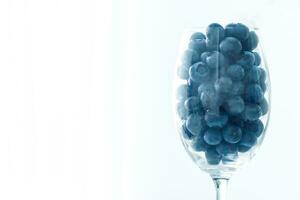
point(221, 188)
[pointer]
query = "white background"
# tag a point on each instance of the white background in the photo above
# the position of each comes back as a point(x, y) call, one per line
point(85, 100)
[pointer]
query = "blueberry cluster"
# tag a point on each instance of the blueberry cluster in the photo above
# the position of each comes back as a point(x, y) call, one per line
point(222, 99)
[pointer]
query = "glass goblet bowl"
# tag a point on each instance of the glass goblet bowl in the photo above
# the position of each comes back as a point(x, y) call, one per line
point(222, 97)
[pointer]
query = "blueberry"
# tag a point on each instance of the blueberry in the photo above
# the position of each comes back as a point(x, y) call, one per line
point(247, 142)
point(216, 119)
point(216, 59)
point(195, 123)
point(198, 45)
point(251, 42)
point(205, 87)
point(182, 92)
point(263, 86)
point(253, 75)
point(198, 143)
point(226, 149)
point(210, 100)
point(215, 32)
point(235, 72)
point(183, 72)
point(192, 88)
point(237, 121)
point(239, 31)
point(257, 59)
point(213, 136)
point(230, 46)
point(262, 74)
point(190, 57)
point(232, 134)
point(237, 88)
point(204, 56)
point(253, 128)
point(219, 72)
point(252, 112)
point(230, 158)
point(235, 105)
point(253, 93)
point(199, 72)
point(212, 156)
point(247, 60)
point(198, 35)
point(186, 134)
point(193, 103)
point(223, 85)
point(264, 106)
point(181, 110)
point(212, 45)
point(243, 149)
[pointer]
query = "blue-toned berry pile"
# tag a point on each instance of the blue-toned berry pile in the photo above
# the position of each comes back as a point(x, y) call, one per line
point(223, 99)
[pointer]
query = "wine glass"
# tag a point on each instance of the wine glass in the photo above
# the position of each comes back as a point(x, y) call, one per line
point(222, 92)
